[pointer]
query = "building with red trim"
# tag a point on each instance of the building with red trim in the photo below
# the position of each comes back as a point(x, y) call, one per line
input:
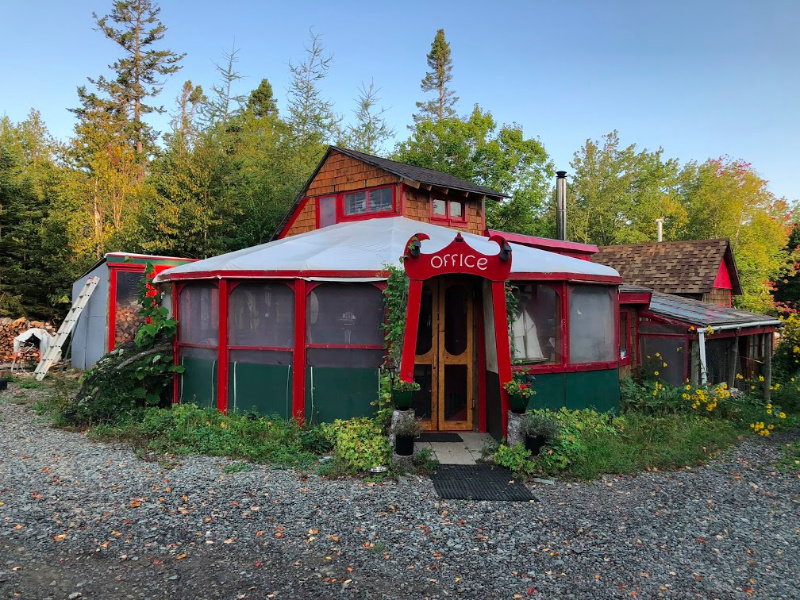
point(294, 327)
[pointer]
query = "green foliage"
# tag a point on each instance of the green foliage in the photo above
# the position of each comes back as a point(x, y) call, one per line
point(361, 444)
point(396, 300)
point(516, 458)
point(436, 80)
point(129, 378)
point(503, 160)
point(617, 193)
point(789, 461)
point(370, 131)
point(538, 425)
point(187, 429)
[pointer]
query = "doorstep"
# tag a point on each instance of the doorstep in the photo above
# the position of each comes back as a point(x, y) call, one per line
point(465, 452)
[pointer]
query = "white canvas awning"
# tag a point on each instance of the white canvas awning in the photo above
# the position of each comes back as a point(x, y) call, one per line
point(357, 250)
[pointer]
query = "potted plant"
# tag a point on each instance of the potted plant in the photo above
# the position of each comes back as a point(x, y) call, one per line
point(403, 394)
point(404, 431)
point(539, 431)
point(519, 392)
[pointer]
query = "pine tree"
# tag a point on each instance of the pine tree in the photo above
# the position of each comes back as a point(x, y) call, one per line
point(261, 102)
point(312, 118)
point(224, 103)
point(436, 80)
point(134, 26)
point(370, 130)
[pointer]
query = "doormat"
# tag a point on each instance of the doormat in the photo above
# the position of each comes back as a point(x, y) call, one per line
point(479, 482)
point(438, 436)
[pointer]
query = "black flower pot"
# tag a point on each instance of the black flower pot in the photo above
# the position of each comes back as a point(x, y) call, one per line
point(402, 399)
point(517, 403)
point(3, 384)
point(404, 445)
point(534, 443)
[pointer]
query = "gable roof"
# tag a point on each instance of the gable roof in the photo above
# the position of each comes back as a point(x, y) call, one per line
point(685, 267)
point(419, 174)
point(409, 173)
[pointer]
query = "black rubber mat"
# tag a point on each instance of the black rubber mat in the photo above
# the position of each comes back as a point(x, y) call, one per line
point(438, 436)
point(479, 482)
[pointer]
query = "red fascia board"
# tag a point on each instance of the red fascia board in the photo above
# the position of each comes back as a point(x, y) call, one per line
point(541, 243)
point(634, 297)
point(566, 367)
point(149, 257)
point(265, 274)
point(296, 214)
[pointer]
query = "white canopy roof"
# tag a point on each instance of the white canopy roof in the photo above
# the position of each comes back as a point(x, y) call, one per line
point(369, 245)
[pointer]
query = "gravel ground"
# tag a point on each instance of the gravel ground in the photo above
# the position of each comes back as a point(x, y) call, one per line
point(80, 519)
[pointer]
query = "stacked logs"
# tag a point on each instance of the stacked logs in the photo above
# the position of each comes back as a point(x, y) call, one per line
point(11, 328)
point(127, 324)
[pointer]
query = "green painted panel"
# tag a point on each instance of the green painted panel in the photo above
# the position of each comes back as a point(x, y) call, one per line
point(198, 383)
point(263, 389)
point(340, 393)
point(550, 391)
point(593, 389)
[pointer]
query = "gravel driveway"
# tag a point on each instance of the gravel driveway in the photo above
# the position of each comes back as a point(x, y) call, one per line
point(86, 520)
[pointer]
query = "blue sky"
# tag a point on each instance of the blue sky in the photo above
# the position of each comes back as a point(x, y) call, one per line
point(701, 79)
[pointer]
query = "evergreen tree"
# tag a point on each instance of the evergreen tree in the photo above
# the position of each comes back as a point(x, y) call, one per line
point(261, 102)
point(224, 103)
point(436, 80)
point(370, 131)
point(312, 118)
point(135, 27)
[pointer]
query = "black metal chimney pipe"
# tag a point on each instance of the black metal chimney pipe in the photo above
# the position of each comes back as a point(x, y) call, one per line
point(561, 205)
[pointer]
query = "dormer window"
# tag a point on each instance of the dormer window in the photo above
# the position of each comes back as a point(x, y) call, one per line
point(449, 211)
point(368, 201)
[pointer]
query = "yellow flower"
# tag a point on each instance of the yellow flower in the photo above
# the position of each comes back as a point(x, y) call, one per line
point(655, 373)
point(769, 406)
point(769, 412)
point(663, 364)
point(739, 376)
point(761, 378)
point(782, 415)
point(688, 387)
point(796, 349)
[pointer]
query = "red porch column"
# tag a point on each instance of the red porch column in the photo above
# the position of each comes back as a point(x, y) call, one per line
point(503, 347)
point(222, 349)
point(299, 357)
point(412, 325)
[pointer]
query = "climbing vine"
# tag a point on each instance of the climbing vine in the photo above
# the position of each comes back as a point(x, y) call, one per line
point(512, 312)
point(396, 295)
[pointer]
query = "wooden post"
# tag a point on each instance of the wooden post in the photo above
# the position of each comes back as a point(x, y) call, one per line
point(767, 366)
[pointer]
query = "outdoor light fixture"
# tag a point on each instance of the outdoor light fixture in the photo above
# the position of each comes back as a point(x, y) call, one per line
point(392, 370)
point(505, 252)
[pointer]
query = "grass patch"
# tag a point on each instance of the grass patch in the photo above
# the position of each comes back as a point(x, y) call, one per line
point(186, 430)
point(789, 461)
point(646, 442)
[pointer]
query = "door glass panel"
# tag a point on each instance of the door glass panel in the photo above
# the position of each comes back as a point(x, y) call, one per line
point(425, 330)
point(455, 392)
point(455, 320)
point(423, 375)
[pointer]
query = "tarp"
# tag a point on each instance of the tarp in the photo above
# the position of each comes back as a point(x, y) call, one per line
point(42, 338)
point(370, 245)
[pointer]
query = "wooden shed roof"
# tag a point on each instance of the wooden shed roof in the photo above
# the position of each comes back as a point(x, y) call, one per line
point(685, 267)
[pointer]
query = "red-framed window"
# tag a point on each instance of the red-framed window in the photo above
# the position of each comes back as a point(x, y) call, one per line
point(355, 205)
point(448, 211)
point(344, 325)
point(537, 332)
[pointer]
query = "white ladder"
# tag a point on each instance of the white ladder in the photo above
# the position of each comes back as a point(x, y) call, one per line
point(54, 351)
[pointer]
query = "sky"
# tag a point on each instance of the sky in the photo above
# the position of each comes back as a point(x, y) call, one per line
point(700, 79)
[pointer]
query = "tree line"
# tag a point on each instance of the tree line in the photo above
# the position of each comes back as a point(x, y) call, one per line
point(231, 164)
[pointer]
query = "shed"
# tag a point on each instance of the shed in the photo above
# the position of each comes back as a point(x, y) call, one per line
point(704, 343)
point(110, 318)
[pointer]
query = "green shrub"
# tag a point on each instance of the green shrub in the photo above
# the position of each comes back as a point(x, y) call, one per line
point(361, 444)
point(516, 458)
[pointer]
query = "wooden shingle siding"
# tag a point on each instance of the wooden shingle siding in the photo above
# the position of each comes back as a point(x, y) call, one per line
point(342, 173)
point(306, 219)
point(418, 207)
point(718, 296)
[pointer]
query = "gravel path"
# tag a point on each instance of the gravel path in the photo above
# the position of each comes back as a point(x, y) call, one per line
point(85, 520)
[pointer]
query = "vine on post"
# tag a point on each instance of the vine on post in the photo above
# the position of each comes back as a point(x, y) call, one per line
point(396, 295)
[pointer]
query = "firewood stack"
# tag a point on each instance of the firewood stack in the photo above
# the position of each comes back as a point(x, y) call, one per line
point(11, 328)
point(128, 323)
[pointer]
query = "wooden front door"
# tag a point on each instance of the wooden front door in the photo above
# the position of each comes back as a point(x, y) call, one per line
point(444, 364)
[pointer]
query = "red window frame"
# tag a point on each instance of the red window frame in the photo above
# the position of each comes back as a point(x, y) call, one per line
point(340, 214)
point(626, 317)
point(448, 218)
point(232, 285)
